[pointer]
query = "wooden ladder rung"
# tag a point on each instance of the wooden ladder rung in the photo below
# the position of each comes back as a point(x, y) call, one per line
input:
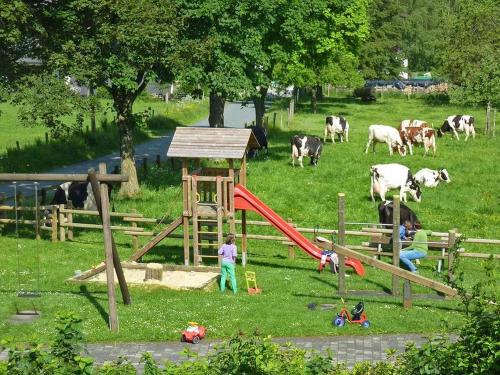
point(208, 256)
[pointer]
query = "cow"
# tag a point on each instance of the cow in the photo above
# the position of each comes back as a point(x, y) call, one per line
point(385, 134)
point(385, 177)
point(261, 135)
point(431, 178)
point(385, 214)
point(306, 145)
point(336, 125)
point(79, 193)
point(458, 124)
point(415, 132)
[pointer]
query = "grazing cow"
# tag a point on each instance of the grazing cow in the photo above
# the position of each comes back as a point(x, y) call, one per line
point(415, 132)
point(458, 124)
point(385, 177)
point(306, 145)
point(336, 125)
point(79, 193)
point(385, 134)
point(385, 214)
point(261, 135)
point(431, 178)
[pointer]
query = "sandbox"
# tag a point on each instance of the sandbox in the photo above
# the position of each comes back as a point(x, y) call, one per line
point(173, 277)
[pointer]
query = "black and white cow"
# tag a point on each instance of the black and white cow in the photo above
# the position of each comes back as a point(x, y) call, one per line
point(79, 193)
point(431, 178)
point(385, 177)
point(458, 124)
point(261, 135)
point(385, 214)
point(336, 125)
point(306, 145)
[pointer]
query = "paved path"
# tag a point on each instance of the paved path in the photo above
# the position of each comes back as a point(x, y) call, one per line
point(235, 115)
point(345, 349)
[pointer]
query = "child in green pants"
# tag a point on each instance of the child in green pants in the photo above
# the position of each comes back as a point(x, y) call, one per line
point(227, 254)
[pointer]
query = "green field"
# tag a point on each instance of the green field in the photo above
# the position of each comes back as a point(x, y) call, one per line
point(36, 156)
point(469, 203)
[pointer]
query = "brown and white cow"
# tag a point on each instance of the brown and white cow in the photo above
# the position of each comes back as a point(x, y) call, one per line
point(385, 134)
point(418, 132)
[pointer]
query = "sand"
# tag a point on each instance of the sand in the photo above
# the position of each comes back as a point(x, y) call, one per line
point(171, 279)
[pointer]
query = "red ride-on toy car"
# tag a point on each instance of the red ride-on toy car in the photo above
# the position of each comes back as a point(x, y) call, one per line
point(357, 316)
point(194, 333)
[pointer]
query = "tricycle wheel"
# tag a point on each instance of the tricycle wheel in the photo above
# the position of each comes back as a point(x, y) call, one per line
point(339, 321)
point(196, 339)
point(366, 324)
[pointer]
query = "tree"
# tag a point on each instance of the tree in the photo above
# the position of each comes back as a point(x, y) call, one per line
point(318, 37)
point(44, 100)
point(217, 40)
point(120, 45)
point(471, 53)
point(381, 55)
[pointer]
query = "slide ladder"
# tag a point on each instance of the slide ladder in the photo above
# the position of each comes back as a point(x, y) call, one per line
point(244, 199)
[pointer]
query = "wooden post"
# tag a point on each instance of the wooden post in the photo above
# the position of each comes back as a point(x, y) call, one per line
point(396, 243)
point(158, 160)
point(274, 120)
point(243, 171)
point(37, 214)
point(341, 241)
point(220, 214)
point(452, 236)
point(135, 240)
point(291, 248)
point(196, 246)
point(18, 146)
point(62, 229)
point(232, 225)
point(102, 203)
point(154, 271)
point(244, 239)
point(186, 213)
point(407, 294)
point(47, 138)
point(53, 221)
point(69, 217)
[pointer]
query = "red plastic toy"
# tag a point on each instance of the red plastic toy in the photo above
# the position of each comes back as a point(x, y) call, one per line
point(194, 333)
point(358, 316)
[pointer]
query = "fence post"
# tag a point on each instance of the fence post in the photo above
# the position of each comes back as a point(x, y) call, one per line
point(341, 241)
point(18, 146)
point(396, 243)
point(291, 248)
point(53, 222)
point(158, 160)
point(274, 120)
point(37, 214)
point(47, 138)
point(70, 221)
point(2, 200)
point(20, 205)
point(452, 236)
point(135, 240)
point(62, 230)
point(407, 294)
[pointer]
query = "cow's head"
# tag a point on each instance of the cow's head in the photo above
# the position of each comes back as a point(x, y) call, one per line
point(413, 188)
point(400, 148)
point(317, 154)
point(443, 175)
point(444, 128)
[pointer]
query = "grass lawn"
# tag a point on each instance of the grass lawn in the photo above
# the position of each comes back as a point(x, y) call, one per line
point(309, 196)
point(36, 156)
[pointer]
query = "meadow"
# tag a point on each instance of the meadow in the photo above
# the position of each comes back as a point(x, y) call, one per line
point(469, 203)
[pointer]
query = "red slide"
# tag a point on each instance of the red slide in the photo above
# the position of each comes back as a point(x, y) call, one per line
point(245, 200)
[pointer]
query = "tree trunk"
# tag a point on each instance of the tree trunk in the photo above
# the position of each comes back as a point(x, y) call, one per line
point(314, 103)
point(93, 127)
point(260, 106)
point(216, 116)
point(125, 123)
point(319, 92)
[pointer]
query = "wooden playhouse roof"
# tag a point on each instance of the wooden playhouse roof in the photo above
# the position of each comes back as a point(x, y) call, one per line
point(211, 143)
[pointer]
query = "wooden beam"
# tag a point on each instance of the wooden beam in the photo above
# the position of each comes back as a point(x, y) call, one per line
point(396, 244)
point(60, 177)
point(341, 241)
point(407, 275)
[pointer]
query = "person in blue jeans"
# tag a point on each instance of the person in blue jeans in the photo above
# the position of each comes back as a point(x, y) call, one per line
point(227, 256)
point(417, 250)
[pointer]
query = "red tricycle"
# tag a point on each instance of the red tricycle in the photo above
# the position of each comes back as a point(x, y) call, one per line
point(194, 333)
point(357, 316)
